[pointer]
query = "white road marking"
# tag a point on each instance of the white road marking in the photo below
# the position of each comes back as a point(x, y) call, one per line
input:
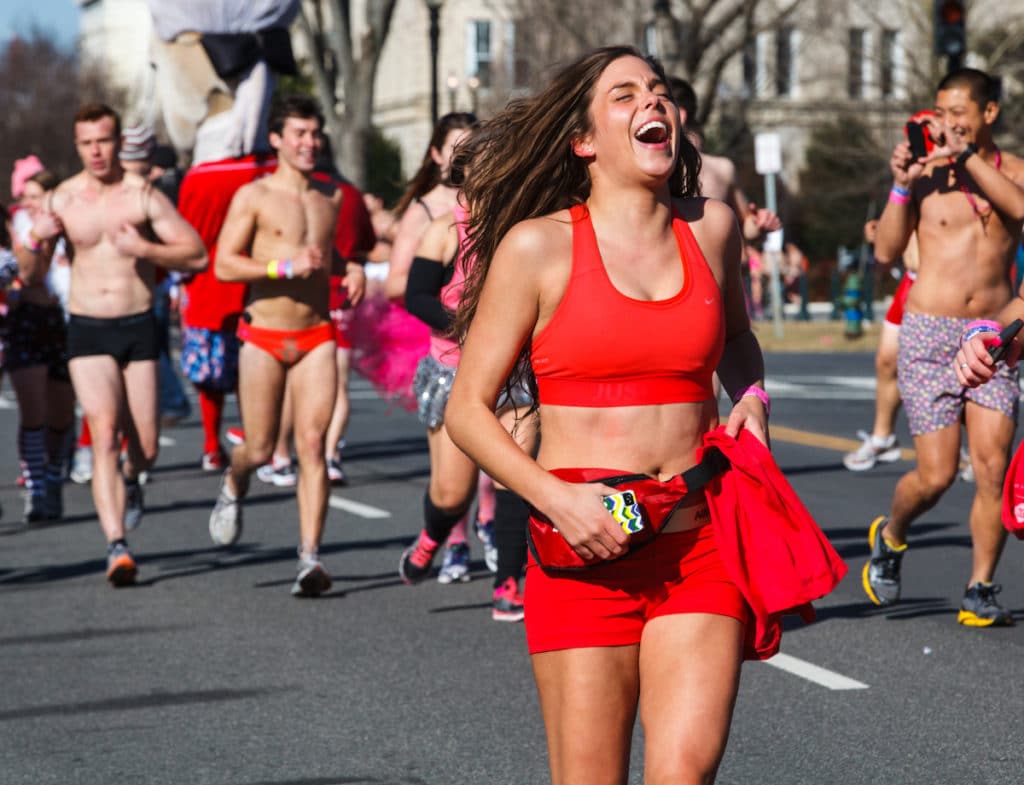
point(166, 441)
point(357, 508)
point(815, 673)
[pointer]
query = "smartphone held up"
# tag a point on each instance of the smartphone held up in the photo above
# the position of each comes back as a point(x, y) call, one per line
point(917, 133)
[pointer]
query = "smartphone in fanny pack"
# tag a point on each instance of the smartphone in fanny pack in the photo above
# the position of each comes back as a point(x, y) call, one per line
point(625, 510)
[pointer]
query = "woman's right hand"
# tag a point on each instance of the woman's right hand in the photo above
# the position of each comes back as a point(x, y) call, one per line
point(580, 516)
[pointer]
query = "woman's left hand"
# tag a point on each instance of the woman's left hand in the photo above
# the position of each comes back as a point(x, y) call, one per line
point(750, 413)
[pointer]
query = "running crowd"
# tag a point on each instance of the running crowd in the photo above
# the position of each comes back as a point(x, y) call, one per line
point(483, 302)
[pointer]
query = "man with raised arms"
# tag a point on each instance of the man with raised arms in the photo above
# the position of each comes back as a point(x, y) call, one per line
point(965, 200)
point(121, 229)
point(278, 237)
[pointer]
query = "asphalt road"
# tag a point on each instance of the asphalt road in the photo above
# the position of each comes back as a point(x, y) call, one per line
point(210, 672)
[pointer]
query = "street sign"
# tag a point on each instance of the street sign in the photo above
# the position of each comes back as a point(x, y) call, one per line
point(767, 153)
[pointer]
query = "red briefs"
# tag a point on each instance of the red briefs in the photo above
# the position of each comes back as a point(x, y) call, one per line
point(609, 604)
point(286, 346)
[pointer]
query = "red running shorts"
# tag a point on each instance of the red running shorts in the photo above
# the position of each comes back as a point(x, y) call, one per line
point(609, 604)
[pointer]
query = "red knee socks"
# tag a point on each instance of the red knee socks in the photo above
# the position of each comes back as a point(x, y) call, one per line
point(211, 407)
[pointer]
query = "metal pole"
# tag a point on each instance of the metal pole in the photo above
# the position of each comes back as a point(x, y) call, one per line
point(776, 284)
point(435, 35)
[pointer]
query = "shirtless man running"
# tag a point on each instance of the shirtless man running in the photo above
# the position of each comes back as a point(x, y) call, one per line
point(278, 238)
point(120, 229)
point(966, 202)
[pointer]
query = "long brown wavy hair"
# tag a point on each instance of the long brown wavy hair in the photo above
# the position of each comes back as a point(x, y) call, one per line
point(523, 166)
point(429, 173)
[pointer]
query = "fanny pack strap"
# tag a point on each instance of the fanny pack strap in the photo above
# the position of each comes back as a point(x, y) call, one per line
point(712, 463)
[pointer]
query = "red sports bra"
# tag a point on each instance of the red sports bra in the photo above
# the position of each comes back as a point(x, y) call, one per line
point(602, 348)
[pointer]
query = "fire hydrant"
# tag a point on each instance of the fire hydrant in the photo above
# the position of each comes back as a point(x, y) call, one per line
point(852, 306)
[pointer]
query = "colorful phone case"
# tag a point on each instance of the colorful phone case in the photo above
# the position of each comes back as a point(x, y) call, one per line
point(625, 511)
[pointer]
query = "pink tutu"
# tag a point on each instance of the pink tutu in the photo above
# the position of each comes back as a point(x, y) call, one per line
point(387, 345)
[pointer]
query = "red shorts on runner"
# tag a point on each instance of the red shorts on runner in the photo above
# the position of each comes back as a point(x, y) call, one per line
point(895, 313)
point(608, 605)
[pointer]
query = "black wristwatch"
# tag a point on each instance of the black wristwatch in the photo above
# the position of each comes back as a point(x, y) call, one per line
point(968, 151)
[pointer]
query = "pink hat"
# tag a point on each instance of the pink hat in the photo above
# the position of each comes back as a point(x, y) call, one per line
point(24, 168)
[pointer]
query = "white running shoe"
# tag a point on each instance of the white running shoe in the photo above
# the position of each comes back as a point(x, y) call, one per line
point(81, 466)
point(872, 451)
point(278, 473)
point(226, 517)
point(455, 568)
point(312, 579)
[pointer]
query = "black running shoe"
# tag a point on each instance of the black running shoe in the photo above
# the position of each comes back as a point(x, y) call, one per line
point(881, 576)
point(981, 609)
point(418, 559)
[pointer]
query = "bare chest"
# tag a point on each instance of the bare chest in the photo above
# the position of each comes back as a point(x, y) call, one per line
point(307, 219)
point(91, 218)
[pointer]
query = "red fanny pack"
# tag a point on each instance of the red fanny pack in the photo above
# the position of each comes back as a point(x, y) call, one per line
point(655, 499)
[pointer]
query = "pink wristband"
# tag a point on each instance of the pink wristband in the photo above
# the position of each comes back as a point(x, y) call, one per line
point(979, 326)
point(758, 393)
point(897, 198)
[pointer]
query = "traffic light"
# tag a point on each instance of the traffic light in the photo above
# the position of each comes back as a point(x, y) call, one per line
point(950, 28)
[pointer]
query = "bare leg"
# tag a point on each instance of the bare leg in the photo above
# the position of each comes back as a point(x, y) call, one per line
point(452, 473)
point(142, 418)
point(261, 382)
point(99, 386)
point(339, 417)
point(588, 698)
point(314, 374)
point(887, 391)
point(689, 675)
point(991, 435)
point(938, 456)
point(286, 428)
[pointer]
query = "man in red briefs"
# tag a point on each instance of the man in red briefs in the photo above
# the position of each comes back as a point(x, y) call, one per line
point(603, 275)
point(278, 238)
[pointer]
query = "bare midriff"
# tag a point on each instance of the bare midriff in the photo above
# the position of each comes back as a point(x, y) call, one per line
point(964, 259)
point(660, 441)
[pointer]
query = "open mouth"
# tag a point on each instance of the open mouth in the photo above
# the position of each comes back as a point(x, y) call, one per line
point(652, 132)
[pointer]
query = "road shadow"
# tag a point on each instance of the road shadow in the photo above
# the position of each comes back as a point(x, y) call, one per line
point(908, 608)
point(152, 700)
point(184, 563)
point(851, 542)
point(87, 634)
point(360, 780)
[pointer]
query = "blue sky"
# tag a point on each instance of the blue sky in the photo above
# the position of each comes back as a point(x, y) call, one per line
point(59, 17)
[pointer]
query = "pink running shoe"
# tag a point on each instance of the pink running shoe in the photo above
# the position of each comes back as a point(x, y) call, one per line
point(508, 602)
point(418, 559)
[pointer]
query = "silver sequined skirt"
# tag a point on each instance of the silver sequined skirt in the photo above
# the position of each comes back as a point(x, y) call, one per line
point(432, 384)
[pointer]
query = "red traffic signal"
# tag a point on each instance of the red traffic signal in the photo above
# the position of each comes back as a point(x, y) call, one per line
point(950, 28)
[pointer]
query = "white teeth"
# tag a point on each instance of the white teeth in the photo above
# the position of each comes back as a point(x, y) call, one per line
point(652, 124)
